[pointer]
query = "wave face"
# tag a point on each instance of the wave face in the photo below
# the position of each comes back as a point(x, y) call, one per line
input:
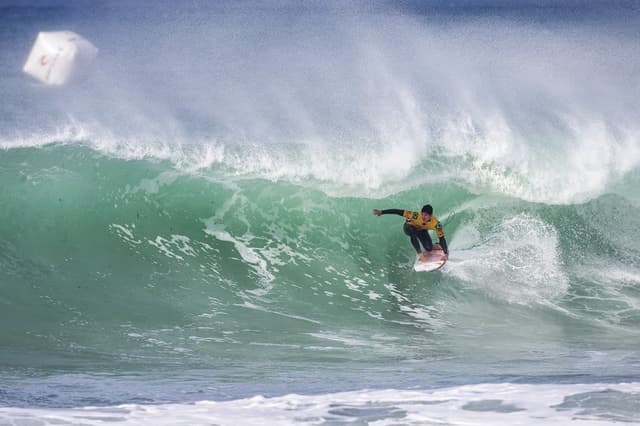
point(122, 259)
point(200, 208)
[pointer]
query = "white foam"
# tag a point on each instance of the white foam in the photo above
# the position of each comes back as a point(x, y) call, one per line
point(249, 255)
point(250, 305)
point(483, 404)
point(480, 103)
point(70, 133)
point(516, 259)
point(175, 242)
point(126, 233)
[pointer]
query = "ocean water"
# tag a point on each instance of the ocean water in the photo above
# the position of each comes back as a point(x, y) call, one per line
point(186, 235)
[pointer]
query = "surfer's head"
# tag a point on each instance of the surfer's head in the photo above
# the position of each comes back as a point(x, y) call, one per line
point(427, 211)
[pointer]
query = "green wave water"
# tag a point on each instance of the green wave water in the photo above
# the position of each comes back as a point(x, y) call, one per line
point(109, 262)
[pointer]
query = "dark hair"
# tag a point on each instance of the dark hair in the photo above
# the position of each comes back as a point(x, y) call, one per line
point(427, 209)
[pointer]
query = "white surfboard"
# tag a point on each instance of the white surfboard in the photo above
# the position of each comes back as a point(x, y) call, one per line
point(432, 261)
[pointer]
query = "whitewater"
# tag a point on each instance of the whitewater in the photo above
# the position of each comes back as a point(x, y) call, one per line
point(187, 237)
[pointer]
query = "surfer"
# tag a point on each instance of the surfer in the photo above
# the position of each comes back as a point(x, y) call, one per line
point(417, 227)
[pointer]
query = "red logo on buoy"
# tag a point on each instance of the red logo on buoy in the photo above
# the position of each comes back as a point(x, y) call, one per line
point(44, 60)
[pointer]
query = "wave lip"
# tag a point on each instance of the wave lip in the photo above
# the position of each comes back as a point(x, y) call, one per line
point(367, 102)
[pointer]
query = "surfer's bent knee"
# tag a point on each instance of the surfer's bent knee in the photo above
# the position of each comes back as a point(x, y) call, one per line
point(408, 229)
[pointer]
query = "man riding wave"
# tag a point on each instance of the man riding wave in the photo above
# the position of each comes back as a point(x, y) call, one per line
point(417, 227)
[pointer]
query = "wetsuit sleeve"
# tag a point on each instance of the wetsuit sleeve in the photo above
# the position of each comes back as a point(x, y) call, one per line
point(441, 239)
point(393, 211)
point(443, 244)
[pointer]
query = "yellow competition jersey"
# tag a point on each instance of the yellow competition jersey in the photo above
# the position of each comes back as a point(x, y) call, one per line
point(415, 219)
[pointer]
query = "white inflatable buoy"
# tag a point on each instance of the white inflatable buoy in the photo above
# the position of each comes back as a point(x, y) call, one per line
point(59, 57)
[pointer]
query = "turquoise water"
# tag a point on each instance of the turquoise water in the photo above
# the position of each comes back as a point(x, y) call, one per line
point(131, 265)
point(174, 230)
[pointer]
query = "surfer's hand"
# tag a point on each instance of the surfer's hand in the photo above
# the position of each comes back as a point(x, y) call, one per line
point(377, 212)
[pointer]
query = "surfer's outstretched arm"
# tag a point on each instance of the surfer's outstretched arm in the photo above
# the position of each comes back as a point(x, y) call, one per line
point(388, 211)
